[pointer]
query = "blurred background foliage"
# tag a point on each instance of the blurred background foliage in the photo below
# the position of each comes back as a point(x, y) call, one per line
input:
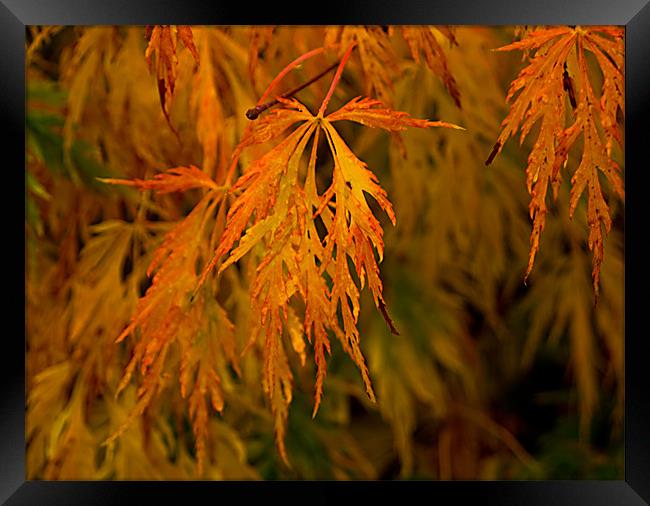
point(488, 379)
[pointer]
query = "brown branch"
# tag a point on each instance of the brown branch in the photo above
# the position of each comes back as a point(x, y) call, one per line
point(254, 112)
point(494, 152)
point(389, 322)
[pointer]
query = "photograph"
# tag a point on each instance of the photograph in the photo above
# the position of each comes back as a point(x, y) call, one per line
point(325, 252)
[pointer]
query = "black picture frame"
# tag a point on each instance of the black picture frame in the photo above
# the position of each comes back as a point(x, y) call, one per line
point(15, 15)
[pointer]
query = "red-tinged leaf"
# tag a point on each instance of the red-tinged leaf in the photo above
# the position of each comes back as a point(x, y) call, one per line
point(172, 180)
point(185, 34)
point(537, 38)
point(161, 58)
point(423, 43)
point(171, 314)
point(276, 208)
point(372, 113)
point(539, 95)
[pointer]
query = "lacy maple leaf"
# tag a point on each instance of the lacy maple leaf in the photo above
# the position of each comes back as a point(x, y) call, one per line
point(422, 42)
point(542, 89)
point(282, 207)
point(171, 311)
point(161, 56)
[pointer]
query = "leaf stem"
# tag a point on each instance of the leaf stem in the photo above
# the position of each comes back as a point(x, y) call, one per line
point(335, 81)
point(287, 69)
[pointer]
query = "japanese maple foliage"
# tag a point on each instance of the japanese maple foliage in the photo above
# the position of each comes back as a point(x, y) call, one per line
point(540, 94)
point(278, 207)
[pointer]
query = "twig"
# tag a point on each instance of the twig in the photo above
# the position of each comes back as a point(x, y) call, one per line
point(254, 112)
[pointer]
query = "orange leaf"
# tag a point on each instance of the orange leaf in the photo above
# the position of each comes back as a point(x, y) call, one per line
point(277, 208)
point(539, 94)
point(422, 41)
point(172, 180)
point(372, 113)
point(161, 57)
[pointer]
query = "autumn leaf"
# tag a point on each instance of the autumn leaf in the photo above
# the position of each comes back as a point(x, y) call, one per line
point(172, 180)
point(281, 207)
point(540, 94)
point(423, 44)
point(170, 312)
point(161, 57)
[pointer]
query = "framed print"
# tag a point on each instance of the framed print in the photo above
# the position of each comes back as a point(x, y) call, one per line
point(367, 254)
